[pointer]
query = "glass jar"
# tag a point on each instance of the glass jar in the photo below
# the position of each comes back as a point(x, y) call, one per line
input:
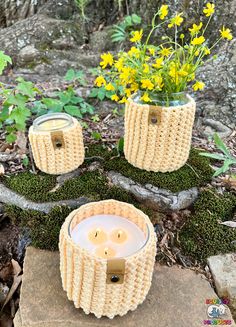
point(163, 99)
point(52, 122)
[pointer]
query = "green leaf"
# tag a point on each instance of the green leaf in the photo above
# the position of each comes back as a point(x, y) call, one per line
point(212, 155)
point(25, 161)
point(25, 88)
point(19, 115)
point(128, 21)
point(53, 104)
point(76, 99)
point(101, 94)
point(120, 146)
point(70, 75)
point(4, 60)
point(65, 97)
point(136, 19)
point(11, 138)
point(73, 111)
point(93, 93)
point(220, 145)
point(97, 136)
point(95, 118)
point(17, 100)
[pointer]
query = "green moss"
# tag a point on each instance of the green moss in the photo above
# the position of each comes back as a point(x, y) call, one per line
point(38, 187)
point(202, 235)
point(44, 229)
point(196, 172)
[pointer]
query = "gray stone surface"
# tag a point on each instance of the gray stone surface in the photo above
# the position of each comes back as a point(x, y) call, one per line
point(223, 269)
point(177, 298)
point(154, 197)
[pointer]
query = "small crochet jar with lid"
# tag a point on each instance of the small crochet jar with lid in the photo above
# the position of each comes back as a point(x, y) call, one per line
point(158, 135)
point(107, 268)
point(57, 145)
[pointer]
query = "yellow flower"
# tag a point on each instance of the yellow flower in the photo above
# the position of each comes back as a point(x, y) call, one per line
point(126, 74)
point(107, 60)
point(134, 52)
point(99, 81)
point(145, 68)
point(163, 12)
point(176, 20)
point(207, 51)
point(115, 97)
point(159, 63)
point(128, 92)
point(182, 36)
point(123, 100)
point(198, 40)
point(196, 53)
point(195, 28)
point(165, 52)
point(119, 64)
point(198, 86)
point(147, 58)
point(145, 97)
point(226, 33)
point(152, 51)
point(209, 9)
point(110, 87)
point(134, 87)
point(137, 35)
point(158, 81)
point(147, 84)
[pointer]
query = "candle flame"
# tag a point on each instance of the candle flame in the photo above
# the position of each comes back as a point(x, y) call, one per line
point(98, 230)
point(106, 251)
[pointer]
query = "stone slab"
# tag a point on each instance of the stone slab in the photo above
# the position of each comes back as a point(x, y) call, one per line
point(223, 269)
point(177, 298)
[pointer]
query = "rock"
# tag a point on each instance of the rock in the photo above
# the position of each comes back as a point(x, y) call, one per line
point(100, 41)
point(223, 269)
point(211, 126)
point(154, 197)
point(9, 235)
point(28, 54)
point(176, 293)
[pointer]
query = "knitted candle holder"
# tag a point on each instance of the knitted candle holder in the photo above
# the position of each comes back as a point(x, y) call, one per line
point(57, 149)
point(91, 281)
point(158, 138)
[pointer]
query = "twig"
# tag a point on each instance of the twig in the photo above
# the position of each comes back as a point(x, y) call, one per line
point(193, 170)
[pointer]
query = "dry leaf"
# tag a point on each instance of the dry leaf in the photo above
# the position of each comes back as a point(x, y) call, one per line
point(16, 282)
point(2, 170)
point(21, 142)
point(229, 224)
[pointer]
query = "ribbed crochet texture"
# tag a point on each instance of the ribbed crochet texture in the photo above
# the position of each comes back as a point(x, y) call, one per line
point(162, 146)
point(59, 160)
point(84, 275)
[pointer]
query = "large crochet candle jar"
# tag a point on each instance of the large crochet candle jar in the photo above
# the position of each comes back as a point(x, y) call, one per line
point(158, 136)
point(107, 255)
point(57, 143)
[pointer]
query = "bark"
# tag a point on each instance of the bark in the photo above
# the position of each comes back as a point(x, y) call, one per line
point(8, 196)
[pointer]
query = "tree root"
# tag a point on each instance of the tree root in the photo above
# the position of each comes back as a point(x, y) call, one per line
point(8, 196)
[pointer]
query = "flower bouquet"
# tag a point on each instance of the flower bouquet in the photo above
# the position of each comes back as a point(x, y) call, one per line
point(152, 80)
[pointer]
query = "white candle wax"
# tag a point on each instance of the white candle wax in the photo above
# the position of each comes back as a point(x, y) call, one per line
point(134, 240)
point(53, 124)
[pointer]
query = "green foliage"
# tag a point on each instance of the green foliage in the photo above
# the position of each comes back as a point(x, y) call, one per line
point(4, 60)
point(120, 146)
point(81, 4)
point(100, 93)
point(96, 136)
point(15, 110)
point(120, 32)
point(25, 100)
point(225, 156)
point(202, 235)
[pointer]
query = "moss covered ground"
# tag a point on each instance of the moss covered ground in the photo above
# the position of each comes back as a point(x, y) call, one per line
point(203, 235)
point(196, 172)
point(200, 237)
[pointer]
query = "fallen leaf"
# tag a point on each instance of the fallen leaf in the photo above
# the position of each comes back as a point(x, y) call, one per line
point(2, 170)
point(229, 223)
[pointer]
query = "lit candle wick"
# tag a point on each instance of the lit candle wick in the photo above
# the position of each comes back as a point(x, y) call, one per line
point(97, 232)
point(106, 251)
point(119, 234)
